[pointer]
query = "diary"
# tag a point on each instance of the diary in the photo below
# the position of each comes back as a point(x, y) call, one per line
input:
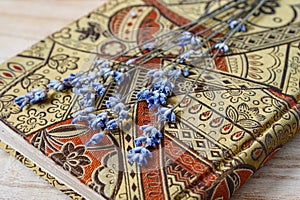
point(243, 105)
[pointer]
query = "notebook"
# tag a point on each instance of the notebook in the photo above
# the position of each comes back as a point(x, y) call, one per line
point(245, 107)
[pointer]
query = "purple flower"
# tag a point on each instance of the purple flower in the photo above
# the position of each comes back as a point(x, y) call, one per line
point(139, 154)
point(102, 63)
point(153, 99)
point(195, 40)
point(140, 140)
point(56, 85)
point(187, 38)
point(119, 107)
point(151, 136)
point(96, 138)
point(183, 57)
point(99, 88)
point(102, 116)
point(162, 98)
point(112, 101)
point(77, 80)
point(142, 94)
point(150, 46)
point(85, 111)
point(123, 115)
point(36, 95)
point(233, 24)
point(67, 81)
point(21, 101)
point(32, 97)
point(81, 91)
point(222, 46)
point(175, 73)
point(88, 100)
point(90, 117)
point(166, 114)
point(165, 86)
point(186, 72)
point(99, 121)
point(111, 124)
point(118, 77)
point(157, 74)
point(130, 61)
point(105, 72)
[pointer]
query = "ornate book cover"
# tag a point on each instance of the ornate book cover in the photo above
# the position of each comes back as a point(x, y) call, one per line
point(245, 106)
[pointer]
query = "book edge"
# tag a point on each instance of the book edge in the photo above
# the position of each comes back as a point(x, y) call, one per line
point(47, 165)
point(36, 168)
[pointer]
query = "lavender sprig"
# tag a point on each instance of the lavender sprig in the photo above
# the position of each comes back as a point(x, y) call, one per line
point(139, 154)
point(90, 85)
point(32, 97)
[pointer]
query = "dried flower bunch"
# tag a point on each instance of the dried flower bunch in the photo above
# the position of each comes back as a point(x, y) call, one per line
point(161, 82)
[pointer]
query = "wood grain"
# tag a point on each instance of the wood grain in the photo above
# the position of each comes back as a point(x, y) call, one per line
point(25, 22)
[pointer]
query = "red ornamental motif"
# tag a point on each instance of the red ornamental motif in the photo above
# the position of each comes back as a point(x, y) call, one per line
point(206, 115)
point(7, 75)
point(227, 129)
point(185, 102)
point(216, 122)
point(238, 135)
point(256, 153)
point(15, 67)
point(255, 76)
point(255, 69)
point(257, 63)
point(18, 68)
point(195, 108)
point(247, 144)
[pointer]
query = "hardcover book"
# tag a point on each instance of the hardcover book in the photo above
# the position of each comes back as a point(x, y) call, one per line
point(234, 111)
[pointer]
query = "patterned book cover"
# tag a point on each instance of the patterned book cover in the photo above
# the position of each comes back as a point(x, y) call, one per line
point(239, 114)
point(40, 172)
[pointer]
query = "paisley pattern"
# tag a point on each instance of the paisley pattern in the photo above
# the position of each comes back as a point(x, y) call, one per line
point(242, 110)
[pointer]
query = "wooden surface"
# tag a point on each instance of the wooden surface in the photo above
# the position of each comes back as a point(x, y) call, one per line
point(23, 22)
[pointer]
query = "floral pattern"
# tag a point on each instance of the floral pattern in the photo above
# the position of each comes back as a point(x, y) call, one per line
point(32, 119)
point(238, 95)
point(245, 112)
point(72, 158)
point(7, 106)
point(246, 116)
point(63, 62)
point(268, 8)
point(59, 105)
point(63, 33)
point(185, 86)
point(35, 81)
point(93, 31)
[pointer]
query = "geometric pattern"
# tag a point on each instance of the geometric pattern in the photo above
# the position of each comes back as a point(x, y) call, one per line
point(198, 142)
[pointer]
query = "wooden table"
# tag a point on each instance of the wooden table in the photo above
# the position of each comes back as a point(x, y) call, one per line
point(25, 22)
